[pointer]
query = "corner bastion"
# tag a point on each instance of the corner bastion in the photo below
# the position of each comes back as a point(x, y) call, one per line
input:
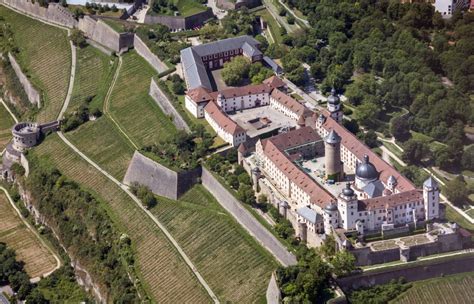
point(31, 92)
point(180, 22)
point(161, 180)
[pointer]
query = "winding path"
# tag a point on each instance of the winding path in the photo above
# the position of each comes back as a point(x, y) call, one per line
point(107, 104)
point(71, 80)
point(33, 230)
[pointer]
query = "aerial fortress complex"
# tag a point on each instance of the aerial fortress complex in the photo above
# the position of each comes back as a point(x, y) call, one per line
point(317, 172)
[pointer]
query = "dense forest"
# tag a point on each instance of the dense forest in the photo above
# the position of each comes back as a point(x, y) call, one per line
point(85, 229)
point(385, 55)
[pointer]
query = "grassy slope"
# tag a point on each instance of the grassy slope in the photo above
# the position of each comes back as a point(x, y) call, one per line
point(37, 258)
point(164, 274)
point(450, 289)
point(234, 265)
point(132, 107)
point(93, 70)
point(45, 56)
point(99, 139)
point(6, 122)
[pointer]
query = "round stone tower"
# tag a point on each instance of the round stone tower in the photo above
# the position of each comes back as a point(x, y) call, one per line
point(332, 148)
point(25, 135)
point(256, 173)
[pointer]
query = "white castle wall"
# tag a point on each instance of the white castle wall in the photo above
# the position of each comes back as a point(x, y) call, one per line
point(143, 50)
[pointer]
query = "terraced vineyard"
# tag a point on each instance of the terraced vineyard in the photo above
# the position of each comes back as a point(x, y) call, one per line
point(6, 122)
point(37, 258)
point(102, 142)
point(94, 70)
point(45, 56)
point(165, 275)
point(451, 289)
point(132, 107)
point(233, 264)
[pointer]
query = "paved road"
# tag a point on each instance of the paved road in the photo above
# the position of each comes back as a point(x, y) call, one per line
point(217, 11)
point(71, 81)
point(150, 215)
point(8, 109)
point(247, 220)
point(33, 230)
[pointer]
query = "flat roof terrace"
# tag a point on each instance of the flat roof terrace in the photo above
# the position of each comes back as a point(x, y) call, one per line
point(261, 120)
point(315, 168)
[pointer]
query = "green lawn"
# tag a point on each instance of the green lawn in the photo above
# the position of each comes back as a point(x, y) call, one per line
point(6, 122)
point(131, 106)
point(184, 7)
point(94, 71)
point(454, 216)
point(45, 57)
point(164, 275)
point(450, 289)
point(273, 25)
point(235, 266)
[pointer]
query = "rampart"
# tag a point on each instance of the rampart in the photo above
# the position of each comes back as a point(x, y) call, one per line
point(31, 92)
point(273, 294)
point(54, 13)
point(161, 180)
point(180, 22)
point(143, 50)
point(414, 272)
point(166, 106)
point(102, 33)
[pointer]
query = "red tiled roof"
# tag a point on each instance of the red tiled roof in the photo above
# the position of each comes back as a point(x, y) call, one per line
point(199, 95)
point(245, 90)
point(290, 103)
point(353, 144)
point(391, 200)
point(274, 82)
point(222, 119)
point(273, 148)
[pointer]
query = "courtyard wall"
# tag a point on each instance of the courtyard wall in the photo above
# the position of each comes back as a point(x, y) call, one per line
point(165, 104)
point(180, 22)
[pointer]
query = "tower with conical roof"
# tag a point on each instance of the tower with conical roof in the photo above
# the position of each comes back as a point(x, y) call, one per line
point(431, 198)
point(334, 106)
point(332, 156)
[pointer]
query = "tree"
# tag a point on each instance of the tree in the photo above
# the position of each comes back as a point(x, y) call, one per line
point(370, 139)
point(457, 192)
point(367, 114)
point(343, 263)
point(290, 18)
point(467, 161)
point(236, 70)
point(414, 151)
point(400, 128)
point(77, 38)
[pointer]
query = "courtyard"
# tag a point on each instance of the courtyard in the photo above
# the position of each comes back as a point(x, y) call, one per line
point(261, 120)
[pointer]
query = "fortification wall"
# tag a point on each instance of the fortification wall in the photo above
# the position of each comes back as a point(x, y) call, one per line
point(364, 256)
point(179, 22)
point(31, 92)
point(54, 13)
point(102, 33)
point(25, 164)
point(413, 272)
point(143, 50)
point(273, 294)
point(166, 106)
point(161, 180)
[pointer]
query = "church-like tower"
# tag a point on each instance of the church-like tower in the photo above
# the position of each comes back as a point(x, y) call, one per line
point(431, 198)
point(334, 106)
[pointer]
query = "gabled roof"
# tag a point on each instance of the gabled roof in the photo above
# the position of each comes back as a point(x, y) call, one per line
point(250, 50)
point(225, 45)
point(290, 103)
point(274, 82)
point(194, 70)
point(310, 215)
point(199, 95)
point(390, 201)
point(245, 90)
point(374, 189)
point(222, 119)
point(294, 138)
point(272, 64)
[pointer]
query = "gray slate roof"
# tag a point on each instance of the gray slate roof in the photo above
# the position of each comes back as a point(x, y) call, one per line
point(272, 64)
point(374, 189)
point(430, 183)
point(310, 215)
point(193, 67)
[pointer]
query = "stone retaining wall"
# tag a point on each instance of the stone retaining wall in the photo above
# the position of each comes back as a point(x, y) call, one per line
point(161, 180)
point(143, 50)
point(179, 22)
point(54, 13)
point(163, 102)
point(102, 33)
point(31, 92)
point(413, 273)
point(273, 294)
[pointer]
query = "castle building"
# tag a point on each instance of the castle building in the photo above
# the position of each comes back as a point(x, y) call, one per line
point(334, 106)
point(215, 106)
